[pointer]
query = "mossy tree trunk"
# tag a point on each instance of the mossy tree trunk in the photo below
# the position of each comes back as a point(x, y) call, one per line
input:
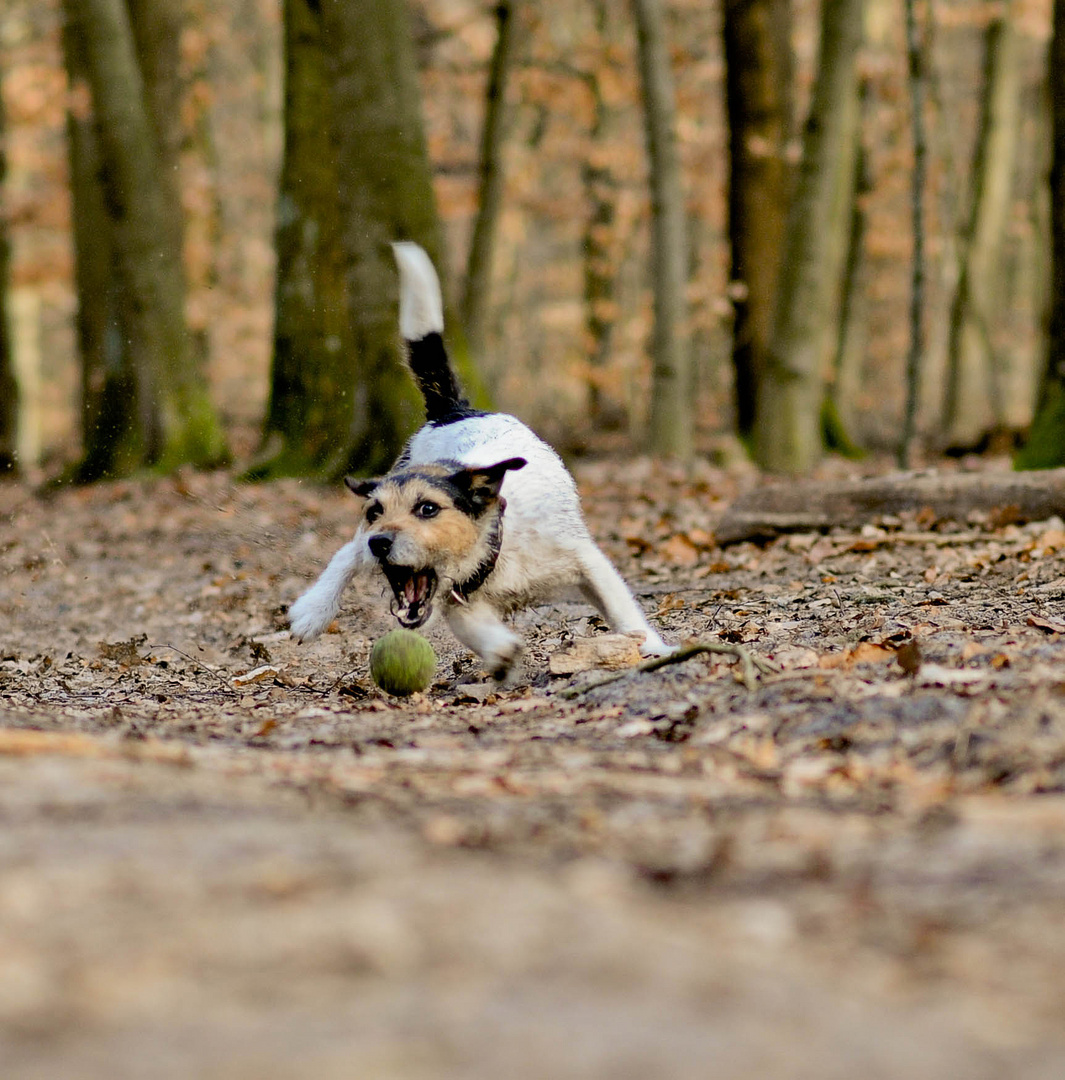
point(8, 386)
point(672, 392)
point(355, 177)
point(1045, 448)
point(974, 400)
point(758, 90)
point(312, 388)
point(788, 430)
point(154, 407)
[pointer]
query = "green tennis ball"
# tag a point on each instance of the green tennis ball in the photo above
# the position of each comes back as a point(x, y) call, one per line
point(402, 663)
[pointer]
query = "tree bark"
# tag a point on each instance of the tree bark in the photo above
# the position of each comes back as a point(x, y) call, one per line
point(8, 385)
point(475, 299)
point(603, 240)
point(800, 507)
point(1046, 441)
point(974, 403)
point(788, 423)
point(341, 397)
point(672, 413)
point(758, 89)
point(915, 353)
point(308, 419)
point(174, 420)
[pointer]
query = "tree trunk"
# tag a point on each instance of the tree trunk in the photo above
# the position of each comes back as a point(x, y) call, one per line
point(8, 386)
point(490, 196)
point(758, 89)
point(602, 177)
point(1046, 441)
point(111, 439)
point(788, 424)
point(308, 419)
point(672, 392)
point(174, 420)
point(974, 403)
point(355, 178)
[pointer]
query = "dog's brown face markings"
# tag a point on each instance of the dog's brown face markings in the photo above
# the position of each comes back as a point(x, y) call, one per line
point(428, 523)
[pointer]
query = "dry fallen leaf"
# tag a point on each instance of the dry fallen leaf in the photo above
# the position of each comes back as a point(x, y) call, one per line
point(1051, 626)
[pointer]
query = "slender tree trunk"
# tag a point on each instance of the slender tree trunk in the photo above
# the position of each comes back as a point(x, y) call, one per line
point(8, 385)
point(308, 420)
point(1046, 441)
point(974, 402)
point(841, 412)
point(475, 299)
point(602, 178)
point(915, 355)
point(672, 392)
point(175, 420)
point(758, 88)
point(788, 425)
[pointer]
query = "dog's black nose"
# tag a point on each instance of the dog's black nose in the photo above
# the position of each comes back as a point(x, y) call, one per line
point(380, 546)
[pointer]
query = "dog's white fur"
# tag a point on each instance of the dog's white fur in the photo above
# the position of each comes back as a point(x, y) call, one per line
point(546, 548)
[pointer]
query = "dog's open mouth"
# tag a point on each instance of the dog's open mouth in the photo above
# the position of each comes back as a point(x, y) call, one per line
point(414, 591)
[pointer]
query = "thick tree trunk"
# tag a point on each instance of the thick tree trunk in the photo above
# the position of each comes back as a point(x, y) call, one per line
point(175, 422)
point(758, 88)
point(312, 389)
point(672, 393)
point(974, 402)
point(341, 397)
point(475, 299)
point(112, 442)
point(8, 385)
point(1046, 441)
point(788, 424)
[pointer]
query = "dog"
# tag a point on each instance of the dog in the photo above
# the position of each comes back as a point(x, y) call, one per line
point(478, 517)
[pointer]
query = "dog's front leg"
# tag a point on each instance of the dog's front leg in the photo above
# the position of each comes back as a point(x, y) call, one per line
point(479, 628)
point(318, 606)
point(606, 589)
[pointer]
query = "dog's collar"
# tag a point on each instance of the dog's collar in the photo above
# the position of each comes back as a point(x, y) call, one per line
point(462, 591)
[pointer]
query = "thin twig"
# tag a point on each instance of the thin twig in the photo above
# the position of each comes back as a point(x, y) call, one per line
point(192, 659)
point(752, 665)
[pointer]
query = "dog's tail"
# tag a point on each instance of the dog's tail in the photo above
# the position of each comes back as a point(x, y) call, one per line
point(421, 322)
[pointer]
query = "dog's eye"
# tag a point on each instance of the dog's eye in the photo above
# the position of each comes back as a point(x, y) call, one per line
point(373, 512)
point(426, 509)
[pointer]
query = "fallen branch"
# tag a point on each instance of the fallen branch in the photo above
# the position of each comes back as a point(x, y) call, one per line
point(751, 665)
point(799, 507)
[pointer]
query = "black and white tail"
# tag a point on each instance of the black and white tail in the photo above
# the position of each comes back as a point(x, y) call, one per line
point(421, 323)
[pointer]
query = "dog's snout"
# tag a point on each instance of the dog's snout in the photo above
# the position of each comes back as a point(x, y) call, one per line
point(380, 546)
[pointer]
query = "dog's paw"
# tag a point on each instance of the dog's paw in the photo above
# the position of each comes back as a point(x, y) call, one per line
point(308, 617)
point(502, 659)
point(653, 645)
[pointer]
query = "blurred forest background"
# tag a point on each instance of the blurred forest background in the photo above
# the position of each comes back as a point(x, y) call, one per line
point(604, 183)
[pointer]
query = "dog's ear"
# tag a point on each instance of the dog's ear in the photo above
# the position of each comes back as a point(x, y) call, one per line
point(481, 486)
point(363, 488)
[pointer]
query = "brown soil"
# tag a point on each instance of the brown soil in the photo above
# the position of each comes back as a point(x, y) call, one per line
point(853, 868)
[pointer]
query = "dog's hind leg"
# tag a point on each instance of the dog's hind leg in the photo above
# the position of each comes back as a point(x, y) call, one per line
point(479, 628)
point(318, 606)
point(606, 589)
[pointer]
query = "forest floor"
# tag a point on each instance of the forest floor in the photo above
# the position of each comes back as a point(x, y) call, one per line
point(853, 866)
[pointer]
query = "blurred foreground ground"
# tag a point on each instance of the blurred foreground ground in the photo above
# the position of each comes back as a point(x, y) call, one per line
point(849, 871)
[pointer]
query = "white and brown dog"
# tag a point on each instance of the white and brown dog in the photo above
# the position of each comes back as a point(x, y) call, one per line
point(478, 516)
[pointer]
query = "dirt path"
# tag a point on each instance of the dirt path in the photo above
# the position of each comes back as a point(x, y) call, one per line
point(848, 870)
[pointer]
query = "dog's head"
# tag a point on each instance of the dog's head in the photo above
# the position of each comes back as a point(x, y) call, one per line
point(427, 524)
